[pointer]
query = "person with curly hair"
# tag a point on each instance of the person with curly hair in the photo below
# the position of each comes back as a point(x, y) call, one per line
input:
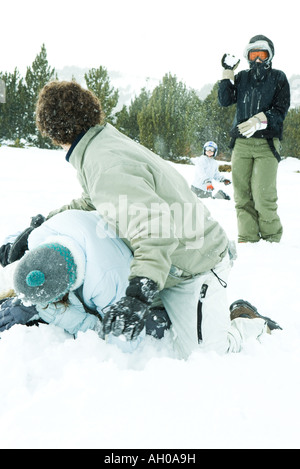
point(65, 111)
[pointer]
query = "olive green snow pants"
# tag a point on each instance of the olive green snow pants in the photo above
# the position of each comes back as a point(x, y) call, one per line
point(254, 175)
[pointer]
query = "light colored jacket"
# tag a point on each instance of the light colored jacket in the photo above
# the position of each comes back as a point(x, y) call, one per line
point(149, 204)
point(105, 266)
point(206, 170)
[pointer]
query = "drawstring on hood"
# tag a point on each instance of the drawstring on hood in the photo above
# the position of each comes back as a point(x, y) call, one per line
point(260, 70)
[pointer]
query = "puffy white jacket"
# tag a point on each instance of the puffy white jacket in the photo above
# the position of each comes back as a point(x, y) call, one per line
point(206, 170)
point(104, 264)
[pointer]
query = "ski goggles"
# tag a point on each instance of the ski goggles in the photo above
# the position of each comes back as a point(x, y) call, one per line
point(210, 149)
point(258, 54)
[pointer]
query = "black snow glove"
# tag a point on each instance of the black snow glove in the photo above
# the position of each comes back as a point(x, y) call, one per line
point(229, 62)
point(20, 245)
point(157, 322)
point(4, 253)
point(12, 311)
point(128, 315)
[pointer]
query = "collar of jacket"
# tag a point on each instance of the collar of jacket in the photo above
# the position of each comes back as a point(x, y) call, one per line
point(259, 71)
point(77, 139)
point(81, 142)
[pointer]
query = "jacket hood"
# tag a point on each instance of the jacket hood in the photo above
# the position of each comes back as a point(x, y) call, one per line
point(260, 42)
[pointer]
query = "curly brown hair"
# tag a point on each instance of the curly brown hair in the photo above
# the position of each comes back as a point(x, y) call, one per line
point(64, 110)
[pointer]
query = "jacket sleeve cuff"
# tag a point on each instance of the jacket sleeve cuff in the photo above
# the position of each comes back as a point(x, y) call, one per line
point(228, 75)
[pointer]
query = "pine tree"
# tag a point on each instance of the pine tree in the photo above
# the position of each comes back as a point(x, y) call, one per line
point(291, 136)
point(37, 76)
point(12, 111)
point(215, 122)
point(127, 119)
point(167, 123)
point(97, 80)
point(122, 120)
point(2, 91)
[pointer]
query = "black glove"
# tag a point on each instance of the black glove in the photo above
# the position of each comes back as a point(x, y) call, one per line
point(128, 315)
point(229, 62)
point(157, 322)
point(20, 245)
point(12, 311)
point(4, 253)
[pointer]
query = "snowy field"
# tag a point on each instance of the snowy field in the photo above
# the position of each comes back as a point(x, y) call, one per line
point(57, 392)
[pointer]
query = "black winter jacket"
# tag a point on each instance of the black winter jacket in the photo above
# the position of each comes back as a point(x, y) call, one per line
point(269, 94)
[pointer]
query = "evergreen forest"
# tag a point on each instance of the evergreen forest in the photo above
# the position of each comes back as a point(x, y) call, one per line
point(171, 120)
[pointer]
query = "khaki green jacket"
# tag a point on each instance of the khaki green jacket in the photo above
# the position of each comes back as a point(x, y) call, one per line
point(148, 204)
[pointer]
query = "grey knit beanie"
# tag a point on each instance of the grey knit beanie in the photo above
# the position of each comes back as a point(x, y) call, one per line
point(45, 274)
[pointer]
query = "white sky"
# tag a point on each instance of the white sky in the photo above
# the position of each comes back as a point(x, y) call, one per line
point(147, 38)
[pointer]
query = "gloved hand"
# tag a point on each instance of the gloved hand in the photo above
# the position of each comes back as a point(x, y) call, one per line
point(229, 64)
point(12, 311)
point(128, 315)
point(20, 245)
point(227, 182)
point(209, 187)
point(4, 253)
point(257, 122)
point(157, 322)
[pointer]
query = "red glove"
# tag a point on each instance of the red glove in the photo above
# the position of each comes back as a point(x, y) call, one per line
point(227, 181)
point(209, 187)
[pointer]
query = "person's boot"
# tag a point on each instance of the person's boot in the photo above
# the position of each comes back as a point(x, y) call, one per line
point(244, 309)
point(221, 195)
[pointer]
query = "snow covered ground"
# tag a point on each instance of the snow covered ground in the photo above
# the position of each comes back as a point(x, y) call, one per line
point(57, 392)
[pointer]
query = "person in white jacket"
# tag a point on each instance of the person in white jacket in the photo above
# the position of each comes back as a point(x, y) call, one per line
point(67, 277)
point(76, 266)
point(207, 170)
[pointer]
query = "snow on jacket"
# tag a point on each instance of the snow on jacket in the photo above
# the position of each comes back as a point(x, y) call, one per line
point(139, 193)
point(105, 267)
point(206, 170)
point(270, 95)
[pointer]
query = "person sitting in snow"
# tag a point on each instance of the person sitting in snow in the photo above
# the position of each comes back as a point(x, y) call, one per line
point(180, 253)
point(207, 170)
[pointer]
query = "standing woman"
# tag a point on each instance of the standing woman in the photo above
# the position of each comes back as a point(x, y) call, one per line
point(262, 97)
